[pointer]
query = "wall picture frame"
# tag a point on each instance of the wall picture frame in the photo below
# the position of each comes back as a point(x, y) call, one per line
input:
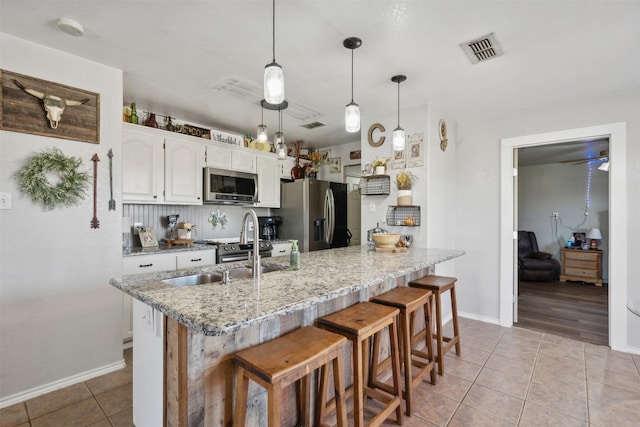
point(326, 154)
point(147, 237)
point(335, 165)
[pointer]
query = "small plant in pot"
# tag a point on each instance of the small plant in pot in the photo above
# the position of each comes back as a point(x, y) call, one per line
point(379, 166)
point(405, 181)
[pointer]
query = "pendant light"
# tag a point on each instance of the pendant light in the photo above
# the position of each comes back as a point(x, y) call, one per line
point(398, 133)
point(281, 147)
point(352, 110)
point(273, 74)
point(262, 129)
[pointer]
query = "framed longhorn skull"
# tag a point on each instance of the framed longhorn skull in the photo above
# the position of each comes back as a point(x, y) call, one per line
point(40, 107)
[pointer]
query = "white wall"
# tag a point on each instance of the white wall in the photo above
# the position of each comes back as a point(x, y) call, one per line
point(60, 320)
point(561, 187)
point(478, 192)
point(341, 151)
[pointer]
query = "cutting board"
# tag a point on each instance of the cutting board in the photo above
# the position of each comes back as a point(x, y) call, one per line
point(392, 250)
point(171, 242)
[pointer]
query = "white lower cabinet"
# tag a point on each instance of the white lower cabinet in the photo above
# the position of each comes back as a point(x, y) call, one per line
point(281, 249)
point(148, 371)
point(156, 263)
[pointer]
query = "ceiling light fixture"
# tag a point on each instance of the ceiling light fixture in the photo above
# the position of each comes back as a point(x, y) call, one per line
point(262, 129)
point(352, 110)
point(273, 73)
point(398, 133)
point(71, 27)
point(281, 147)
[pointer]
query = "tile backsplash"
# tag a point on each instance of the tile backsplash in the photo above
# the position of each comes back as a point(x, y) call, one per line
point(156, 217)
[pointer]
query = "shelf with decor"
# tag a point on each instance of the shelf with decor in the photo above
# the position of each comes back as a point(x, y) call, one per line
point(403, 215)
point(375, 185)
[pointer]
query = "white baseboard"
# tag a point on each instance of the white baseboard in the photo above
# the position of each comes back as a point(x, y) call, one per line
point(57, 385)
point(485, 319)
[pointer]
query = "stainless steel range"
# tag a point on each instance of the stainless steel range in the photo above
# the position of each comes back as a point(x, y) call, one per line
point(230, 249)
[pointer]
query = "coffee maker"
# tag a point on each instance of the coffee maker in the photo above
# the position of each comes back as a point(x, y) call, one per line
point(269, 227)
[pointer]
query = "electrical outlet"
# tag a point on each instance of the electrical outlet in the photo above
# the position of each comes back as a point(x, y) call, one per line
point(5, 200)
point(372, 206)
point(555, 215)
point(136, 226)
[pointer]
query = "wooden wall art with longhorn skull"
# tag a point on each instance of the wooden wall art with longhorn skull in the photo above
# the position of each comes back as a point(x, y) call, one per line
point(35, 106)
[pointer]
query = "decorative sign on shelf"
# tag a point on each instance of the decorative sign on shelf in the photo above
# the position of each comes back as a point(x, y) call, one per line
point(40, 107)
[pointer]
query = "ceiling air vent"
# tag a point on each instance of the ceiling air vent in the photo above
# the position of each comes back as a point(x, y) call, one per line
point(482, 48)
point(313, 125)
point(248, 91)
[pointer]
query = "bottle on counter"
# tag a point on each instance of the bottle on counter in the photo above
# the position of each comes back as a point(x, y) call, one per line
point(294, 257)
point(134, 114)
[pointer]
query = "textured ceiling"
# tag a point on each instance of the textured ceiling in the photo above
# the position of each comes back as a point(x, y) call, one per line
point(174, 53)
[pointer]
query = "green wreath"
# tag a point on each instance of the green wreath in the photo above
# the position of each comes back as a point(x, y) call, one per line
point(69, 191)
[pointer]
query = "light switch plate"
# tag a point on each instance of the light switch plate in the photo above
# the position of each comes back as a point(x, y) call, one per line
point(5, 200)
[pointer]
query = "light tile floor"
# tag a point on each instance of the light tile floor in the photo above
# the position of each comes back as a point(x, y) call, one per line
point(504, 377)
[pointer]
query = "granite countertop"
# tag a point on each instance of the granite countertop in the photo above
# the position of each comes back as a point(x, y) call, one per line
point(163, 249)
point(216, 309)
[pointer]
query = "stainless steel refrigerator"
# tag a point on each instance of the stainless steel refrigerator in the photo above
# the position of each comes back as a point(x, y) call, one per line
point(314, 213)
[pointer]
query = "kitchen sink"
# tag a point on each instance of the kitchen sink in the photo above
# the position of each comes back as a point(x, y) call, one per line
point(202, 279)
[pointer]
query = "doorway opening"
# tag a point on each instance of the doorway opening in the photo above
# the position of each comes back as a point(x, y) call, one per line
point(617, 275)
point(563, 196)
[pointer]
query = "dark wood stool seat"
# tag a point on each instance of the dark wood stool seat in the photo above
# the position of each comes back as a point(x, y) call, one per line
point(359, 323)
point(291, 358)
point(438, 285)
point(408, 301)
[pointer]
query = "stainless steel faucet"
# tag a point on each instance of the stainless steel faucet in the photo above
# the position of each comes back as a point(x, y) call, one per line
point(255, 258)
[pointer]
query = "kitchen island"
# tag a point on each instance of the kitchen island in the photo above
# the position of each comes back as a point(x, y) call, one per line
point(205, 325)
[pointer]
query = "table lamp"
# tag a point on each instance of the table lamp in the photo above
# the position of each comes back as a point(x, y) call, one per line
point(595, 235)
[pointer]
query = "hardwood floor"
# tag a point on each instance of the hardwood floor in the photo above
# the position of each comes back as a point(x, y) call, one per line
point(573, 309)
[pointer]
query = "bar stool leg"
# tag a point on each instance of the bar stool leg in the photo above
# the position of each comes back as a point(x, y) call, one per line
point(428, 322)
point(454, 307)
point(439, 340)
point(242, 392)
point(338, 381)
point(405, 345)
point(358, 386)
point(395, 362)
point(275, 400)
point(303, 391)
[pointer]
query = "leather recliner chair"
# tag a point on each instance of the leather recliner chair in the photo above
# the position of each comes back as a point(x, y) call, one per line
point(533, 265)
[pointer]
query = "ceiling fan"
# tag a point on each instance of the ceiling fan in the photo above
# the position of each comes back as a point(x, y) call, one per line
point(603, 157)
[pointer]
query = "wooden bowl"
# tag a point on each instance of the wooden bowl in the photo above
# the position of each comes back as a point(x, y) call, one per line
point(386, 240)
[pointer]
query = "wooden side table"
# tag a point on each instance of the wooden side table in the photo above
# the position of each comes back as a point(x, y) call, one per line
point(581, 265)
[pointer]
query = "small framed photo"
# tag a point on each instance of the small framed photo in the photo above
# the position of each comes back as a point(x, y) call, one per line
point(147, 237)
point(326, 154)
point(335, 164)
point(354, 155)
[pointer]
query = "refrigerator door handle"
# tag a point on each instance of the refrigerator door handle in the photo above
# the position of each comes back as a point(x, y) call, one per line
point(330, 212)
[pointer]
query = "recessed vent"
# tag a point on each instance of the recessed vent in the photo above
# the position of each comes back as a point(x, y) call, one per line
point(252, 93)
point(313, 125)
point(482, 48)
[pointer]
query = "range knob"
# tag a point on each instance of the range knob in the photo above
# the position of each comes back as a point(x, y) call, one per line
point(226, 247)
point(233, 248)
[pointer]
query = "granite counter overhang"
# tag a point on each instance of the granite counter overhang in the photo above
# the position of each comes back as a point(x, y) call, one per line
point(216, 309)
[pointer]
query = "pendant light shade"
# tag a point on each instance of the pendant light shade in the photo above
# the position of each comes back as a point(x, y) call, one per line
point(273, 73)
point(399, 136)
point(261, 135)
point(352, 110)
point(281, 147)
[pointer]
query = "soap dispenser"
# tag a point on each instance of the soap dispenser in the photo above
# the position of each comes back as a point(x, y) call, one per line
point(294, 257)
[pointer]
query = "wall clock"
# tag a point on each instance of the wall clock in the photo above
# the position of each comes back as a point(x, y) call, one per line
point(442, 128)
point(372, 128)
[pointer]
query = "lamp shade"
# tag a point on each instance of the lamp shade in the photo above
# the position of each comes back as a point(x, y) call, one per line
point(273, 83)
point(352, 117)
point(594, 233)
point(398, 139)
point(262, 133)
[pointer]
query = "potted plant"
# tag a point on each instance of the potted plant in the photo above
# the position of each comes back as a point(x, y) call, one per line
point(379, 166)
point(405, 181)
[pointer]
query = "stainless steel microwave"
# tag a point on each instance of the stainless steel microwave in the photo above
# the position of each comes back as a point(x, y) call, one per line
point(229, 187)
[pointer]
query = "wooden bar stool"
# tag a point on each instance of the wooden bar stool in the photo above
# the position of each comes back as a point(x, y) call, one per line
point(438, 285)
point(408, 301)
point(359, 323)
point(291, 358)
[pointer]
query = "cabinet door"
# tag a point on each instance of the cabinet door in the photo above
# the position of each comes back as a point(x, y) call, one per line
point(142, 166)
point(183, 163)
point(243, 161)
point(285, 167)
point(148, 263)
point(268, 182)
point(218, 156)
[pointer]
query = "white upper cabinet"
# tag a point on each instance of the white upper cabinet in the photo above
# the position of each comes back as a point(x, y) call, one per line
point(268, 182)
point(218, 156)
point(142, 166)
point(285, 167)
point(183, 164)
point(243, 161)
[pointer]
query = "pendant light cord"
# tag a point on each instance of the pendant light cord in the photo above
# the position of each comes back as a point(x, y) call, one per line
point(398, 103)
point(352, 75)
point(274, 30)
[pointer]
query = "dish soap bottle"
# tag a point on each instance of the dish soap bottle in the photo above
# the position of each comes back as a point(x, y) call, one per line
point(294, 257)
